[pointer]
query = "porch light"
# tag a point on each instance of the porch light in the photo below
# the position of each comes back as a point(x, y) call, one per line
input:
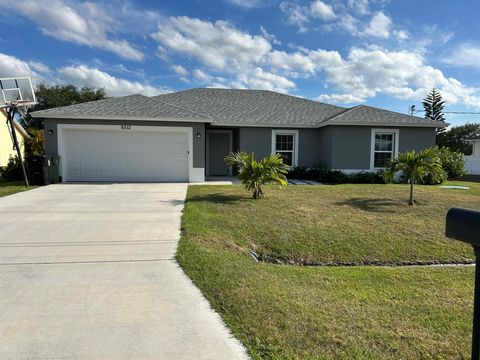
point(198, 135)
point(50, 132)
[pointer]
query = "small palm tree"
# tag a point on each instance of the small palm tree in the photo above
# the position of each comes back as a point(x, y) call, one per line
point(254, 174)
point(414, 167)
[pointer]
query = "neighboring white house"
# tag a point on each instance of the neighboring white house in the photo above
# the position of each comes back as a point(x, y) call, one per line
point(473, 161)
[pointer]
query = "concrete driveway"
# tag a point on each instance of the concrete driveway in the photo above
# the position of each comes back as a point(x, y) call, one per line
point(87, 271)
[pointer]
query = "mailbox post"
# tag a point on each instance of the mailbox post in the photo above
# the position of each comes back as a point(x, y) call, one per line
point(464, 225)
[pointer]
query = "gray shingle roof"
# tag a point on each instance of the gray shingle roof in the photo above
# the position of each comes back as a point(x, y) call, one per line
point(368, 115)
point(125, 107)
point(252, 107)
point(234, 107)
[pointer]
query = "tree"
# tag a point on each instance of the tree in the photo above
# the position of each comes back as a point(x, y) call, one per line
point(414, 167)
point(35, 145)
point(51, 96)
point(254, 175)
point(456, 138)
point(433, 106)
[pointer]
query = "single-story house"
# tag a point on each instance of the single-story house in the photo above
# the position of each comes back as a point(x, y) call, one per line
point(184, 136)
point(6, 145)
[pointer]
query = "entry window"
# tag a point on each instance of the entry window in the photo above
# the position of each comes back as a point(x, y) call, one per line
point(285, 144)
point(384, 149)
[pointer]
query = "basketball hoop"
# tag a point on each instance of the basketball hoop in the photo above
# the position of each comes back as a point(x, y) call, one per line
point(16, 95)
point(16, 92)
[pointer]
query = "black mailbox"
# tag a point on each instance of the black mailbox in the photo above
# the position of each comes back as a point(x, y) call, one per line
point(463, 225)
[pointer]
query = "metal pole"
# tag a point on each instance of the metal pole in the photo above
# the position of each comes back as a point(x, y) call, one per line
point(10, 119)
point(476, 308)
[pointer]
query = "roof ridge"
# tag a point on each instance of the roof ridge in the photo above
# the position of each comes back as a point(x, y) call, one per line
point(339, 114)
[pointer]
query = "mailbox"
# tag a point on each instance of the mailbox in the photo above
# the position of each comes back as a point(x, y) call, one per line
point(463, 225)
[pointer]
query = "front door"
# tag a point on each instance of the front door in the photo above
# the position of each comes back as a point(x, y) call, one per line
point(218, 147)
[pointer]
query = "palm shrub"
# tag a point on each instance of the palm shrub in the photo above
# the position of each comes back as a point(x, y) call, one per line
point(414, 167)
point(254, 174)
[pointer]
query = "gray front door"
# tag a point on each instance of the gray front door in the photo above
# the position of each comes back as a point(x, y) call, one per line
point(218, 147)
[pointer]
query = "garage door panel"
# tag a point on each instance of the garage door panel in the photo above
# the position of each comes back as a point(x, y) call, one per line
point(114, 155)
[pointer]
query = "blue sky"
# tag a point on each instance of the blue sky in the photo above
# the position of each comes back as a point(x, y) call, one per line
point(376, 52)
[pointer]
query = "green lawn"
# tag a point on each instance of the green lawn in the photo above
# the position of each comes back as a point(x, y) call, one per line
point(11, 187)
point(289, 311)
point(330, 224)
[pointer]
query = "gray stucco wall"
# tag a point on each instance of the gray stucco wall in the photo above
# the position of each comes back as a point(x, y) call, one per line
point(259, 141)
point(351, 145)
point(416, 139)
point(51, 141)
point(256, 140)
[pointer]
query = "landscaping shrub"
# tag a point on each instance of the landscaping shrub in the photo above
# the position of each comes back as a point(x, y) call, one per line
point(13, 170)
point(332, 176)
point(434, 177)
point(365, 177)
point(303, 173)
point(453, 162)
point(452, 167)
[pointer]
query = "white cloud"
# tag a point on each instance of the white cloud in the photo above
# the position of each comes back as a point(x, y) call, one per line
point(233, 58)
point(465, 55)
point(364, 73)
point(302, 63)
point(359, 6)
point(83, 23)
point(349, 18)
point(78, 75)
point(81, 75)
point(320, 10)
point(270, 37)
point(180, 70)
point(260, 79)
point(248, 3)
point(218, 45)
point(38, 66)
point(10, 66)
point(201, 75)
point(379, 26)
point(301, 16)
point(296, 15)
point(401, 34)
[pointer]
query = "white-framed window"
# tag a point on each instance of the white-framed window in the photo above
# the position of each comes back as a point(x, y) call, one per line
point(285, 143)
point(384, 147)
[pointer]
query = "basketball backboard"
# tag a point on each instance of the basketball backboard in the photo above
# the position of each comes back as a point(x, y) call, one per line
point(16, 91)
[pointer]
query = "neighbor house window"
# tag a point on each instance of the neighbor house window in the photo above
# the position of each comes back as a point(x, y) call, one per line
point(285, 143)
point(384, 147)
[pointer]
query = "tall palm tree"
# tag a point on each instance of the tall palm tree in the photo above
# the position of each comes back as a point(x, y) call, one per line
point(414, 166)
point(253, 174)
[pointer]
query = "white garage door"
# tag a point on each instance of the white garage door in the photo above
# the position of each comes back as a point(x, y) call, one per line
point(110, 153)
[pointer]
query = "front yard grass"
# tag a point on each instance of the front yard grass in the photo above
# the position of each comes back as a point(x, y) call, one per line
point(330, 224)
point(11, 187)
point(360, 312)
